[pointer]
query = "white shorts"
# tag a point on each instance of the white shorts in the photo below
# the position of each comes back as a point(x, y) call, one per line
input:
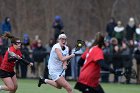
point(55, 74)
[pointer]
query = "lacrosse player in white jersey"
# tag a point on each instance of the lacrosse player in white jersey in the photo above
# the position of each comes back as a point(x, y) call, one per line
point(57, 62)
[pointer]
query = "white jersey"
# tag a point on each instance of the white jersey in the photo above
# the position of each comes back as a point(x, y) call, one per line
point(54, 63)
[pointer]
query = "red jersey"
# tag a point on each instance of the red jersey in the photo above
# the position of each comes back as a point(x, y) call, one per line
point(85, 53)
point(1, 57)
point(9, 66)
point(90, 72)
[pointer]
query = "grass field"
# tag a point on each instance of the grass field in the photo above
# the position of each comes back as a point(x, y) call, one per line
point(30, 86)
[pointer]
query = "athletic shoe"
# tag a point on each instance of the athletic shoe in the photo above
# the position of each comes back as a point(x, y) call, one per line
point(41, 81)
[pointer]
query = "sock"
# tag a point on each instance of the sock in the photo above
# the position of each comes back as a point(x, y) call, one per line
point(0, 87)
point(46, 81)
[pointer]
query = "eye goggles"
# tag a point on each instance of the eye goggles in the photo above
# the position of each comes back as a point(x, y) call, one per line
point(17, 43)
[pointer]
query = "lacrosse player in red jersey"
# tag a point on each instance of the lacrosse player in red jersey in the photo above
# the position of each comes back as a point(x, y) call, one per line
point(7, 72)
point(88, 81)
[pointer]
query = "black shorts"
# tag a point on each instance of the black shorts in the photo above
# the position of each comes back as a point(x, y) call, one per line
point(4, 74)
point(87, 89)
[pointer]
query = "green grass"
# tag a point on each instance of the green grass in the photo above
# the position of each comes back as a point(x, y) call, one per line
point(30, 86)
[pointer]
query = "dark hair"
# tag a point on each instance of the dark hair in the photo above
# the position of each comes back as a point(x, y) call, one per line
point(6, 18)
point(11, 37)
point(62, 33)
point(99, 40)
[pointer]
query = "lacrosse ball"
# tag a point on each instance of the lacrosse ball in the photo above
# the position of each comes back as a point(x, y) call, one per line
point(79, 44)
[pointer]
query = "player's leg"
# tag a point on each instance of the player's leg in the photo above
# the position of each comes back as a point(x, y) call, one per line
point(62, 82)
point(48, 81)
point(59, 83)
point(9, 85)
point(14, 79)
point(99, 89)
point(37, 69)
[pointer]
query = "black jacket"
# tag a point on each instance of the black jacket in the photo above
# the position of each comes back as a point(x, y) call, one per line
point(39, 53)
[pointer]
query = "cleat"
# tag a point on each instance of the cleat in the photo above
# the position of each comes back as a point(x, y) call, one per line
point(41, 81)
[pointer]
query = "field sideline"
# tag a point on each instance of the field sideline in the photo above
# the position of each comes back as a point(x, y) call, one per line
point(30, 86)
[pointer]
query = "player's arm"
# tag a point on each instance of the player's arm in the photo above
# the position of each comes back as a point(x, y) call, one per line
point(61, 57)
point(11, 58)
point(65, 65)
point(18, 58)
point(24, 61)
point(81, 61)
point(105, 66)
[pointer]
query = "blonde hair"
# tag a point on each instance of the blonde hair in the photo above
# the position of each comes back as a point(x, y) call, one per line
point(62, 36)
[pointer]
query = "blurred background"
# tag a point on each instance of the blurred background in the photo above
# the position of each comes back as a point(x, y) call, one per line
point(82, 18)
point(39, 22)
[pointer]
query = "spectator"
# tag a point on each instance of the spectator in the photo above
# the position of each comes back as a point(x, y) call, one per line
point(48, 50)
point(39, 54)
point(126, 58)
point(130, 63)
point(137, 57)
point(130, 29)
point(58, 27)
point(116, 58)
point(26, 39)
point(119, 32)
point(34, 43)
point(6, 26)
point(26, 55)
point(74, 64)
point(49, 45)
point(108, 60)
point(137, 34)
point(110, 27)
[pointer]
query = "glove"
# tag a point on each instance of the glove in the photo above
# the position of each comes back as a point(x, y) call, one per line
point(12, 59)
point(112, 70)
point(118, 73)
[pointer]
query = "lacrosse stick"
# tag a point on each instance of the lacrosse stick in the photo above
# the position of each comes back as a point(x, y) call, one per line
point(17, 56)
point(79, 45)
point(133, 74)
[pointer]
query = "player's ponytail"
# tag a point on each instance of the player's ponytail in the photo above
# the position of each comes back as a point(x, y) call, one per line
point(11, 37)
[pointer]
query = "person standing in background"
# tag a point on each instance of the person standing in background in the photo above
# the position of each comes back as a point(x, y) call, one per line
point(116, 58)
point(129, 64)
point(48, 48)
point(39, 54)
point(126, 58)
point(108, 59)
point(58, 27)
point(137, 34)
point(110, 27)
point(137, 57)
point(6, 27)
point(119, 32)
point(130, 29)
point(26, 54)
